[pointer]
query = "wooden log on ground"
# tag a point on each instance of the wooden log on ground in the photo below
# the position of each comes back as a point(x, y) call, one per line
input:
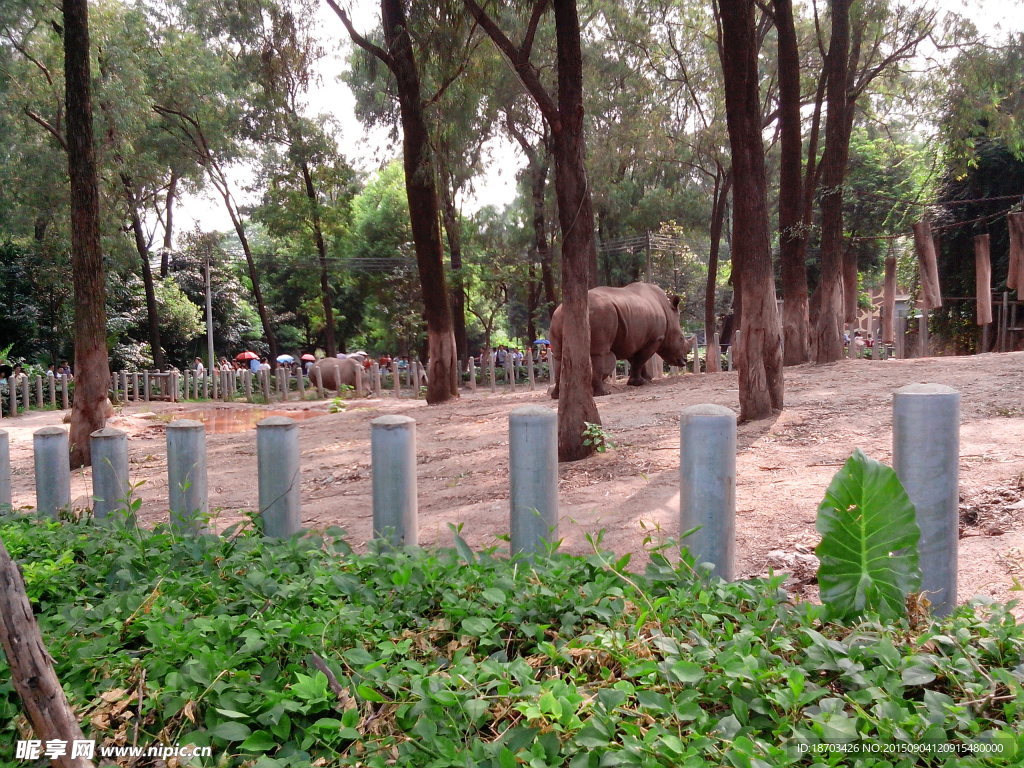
point(32, 673)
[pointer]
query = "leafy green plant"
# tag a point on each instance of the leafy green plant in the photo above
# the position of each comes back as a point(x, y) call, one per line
point(595, 435)
point(868, 550)
point(298, 652)
point(337, 406)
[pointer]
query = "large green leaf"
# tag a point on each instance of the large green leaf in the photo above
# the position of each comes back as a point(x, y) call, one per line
point(868, 550)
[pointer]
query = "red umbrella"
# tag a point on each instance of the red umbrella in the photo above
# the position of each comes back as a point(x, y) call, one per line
point(309, 357)
point(247, 356)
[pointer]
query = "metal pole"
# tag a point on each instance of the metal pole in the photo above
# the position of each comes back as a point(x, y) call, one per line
point(110, 487)
point(393, 460)
point(926, 457)
point(53, 470)
point(707, 485)
point(186, 475)
point(209, 316)
point(277, 452)
point(5, 473)
point(533, 471)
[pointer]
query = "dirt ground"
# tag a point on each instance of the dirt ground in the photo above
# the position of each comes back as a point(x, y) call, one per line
point(631, 493)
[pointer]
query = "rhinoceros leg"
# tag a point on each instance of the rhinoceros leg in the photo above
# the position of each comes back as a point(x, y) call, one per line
point(602, 366)
point(638, 363)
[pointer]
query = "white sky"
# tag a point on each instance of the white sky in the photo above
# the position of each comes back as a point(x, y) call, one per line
point(368, 151)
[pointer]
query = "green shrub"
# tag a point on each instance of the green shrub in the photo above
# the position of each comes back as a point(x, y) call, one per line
point(452, 658)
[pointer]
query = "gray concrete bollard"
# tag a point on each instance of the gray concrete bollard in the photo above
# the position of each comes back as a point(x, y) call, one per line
point(277, 452)
point(360, 390)
point(375, 370)
point(926, 457)
point(300, 378)
point(247, 383)
point(12, 390)
point(530, 373)
point(5, 472)
point(319, 382)
point(707, 485)
point(472, 374)
point(186, 475)
point(26, 397)
point(393, 457)
point(52, 384)
point(510, 372)
point(145, 385)
point(490, 371)
point(396, 379)
point(39, 391)
point(111, 490)
point(533, 471)
point(136, 397)
point(65, 392)
point(53, 470)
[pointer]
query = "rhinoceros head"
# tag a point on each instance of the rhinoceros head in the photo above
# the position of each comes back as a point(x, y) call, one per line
point(675, 347)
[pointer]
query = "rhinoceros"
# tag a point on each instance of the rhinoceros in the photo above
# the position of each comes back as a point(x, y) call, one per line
point(335, 371)
point(631, 323)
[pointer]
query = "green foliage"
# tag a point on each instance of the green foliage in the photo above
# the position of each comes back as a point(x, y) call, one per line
point(595, 435)
point(439, 659)
point(868, 550)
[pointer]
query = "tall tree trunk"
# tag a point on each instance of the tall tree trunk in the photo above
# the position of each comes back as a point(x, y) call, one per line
point(254, 276)
point(760, 376)
point(172, 196)
point(579, 252)
point(812, 175)
point(723, 182)
point(92, 367)
point(794, 271)
point(541, 243)
point(828, 331)
point(326, 296)
point(453, 232)
point(420, 187)
point(152, 311)
point(564, 116)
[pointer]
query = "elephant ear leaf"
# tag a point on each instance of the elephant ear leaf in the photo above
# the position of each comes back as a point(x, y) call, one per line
point(868, 551)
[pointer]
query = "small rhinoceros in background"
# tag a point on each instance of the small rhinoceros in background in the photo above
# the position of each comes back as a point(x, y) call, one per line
point(334, 372)
point(632, 323)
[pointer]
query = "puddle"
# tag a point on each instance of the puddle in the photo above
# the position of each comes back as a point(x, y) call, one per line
point(225, 421)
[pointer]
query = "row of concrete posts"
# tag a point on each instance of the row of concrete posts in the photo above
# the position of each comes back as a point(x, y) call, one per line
point(926, 451)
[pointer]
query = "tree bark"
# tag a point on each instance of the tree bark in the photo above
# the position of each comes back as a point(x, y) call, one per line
point(420, 187)
point(760, 376)
point(791, 233)
point(45, 704)
point(723, 182)
point(829, 326)
point(564, 116)
point(92, 367)
point(172, 195)
point(579, 252)
point(326, 297)
point(152, 311)
point(254, 277)
point(453, 232)
point(889, 300)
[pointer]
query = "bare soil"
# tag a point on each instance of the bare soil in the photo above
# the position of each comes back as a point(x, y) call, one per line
point(628, 496)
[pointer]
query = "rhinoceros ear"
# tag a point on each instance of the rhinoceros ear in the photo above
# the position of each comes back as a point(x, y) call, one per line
point(674, 301)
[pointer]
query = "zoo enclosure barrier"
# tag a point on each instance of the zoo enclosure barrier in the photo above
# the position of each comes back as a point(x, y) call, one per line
point(926, 448)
